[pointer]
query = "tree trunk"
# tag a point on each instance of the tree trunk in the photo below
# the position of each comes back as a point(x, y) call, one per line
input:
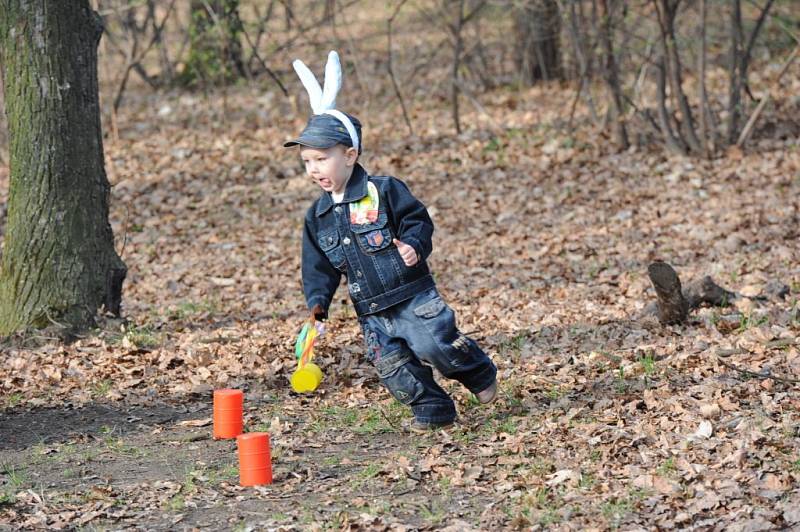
point(674, 303)
point(59, 263)
point(667, 14)
point(215, 53)
point(611, 75)
point(734, 72)
point(537, 26)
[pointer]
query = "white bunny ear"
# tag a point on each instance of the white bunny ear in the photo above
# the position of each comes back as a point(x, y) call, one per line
point(311, 84)
point(333, 82)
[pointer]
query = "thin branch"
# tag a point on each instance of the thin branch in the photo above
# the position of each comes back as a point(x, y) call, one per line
point(748, 128)
point(390, 68)
point(765, 374)
point(267, 69)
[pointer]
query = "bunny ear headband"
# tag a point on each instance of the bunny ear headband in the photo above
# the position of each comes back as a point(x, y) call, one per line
point(323, 99)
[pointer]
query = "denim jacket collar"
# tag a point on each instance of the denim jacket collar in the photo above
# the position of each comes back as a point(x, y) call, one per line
point(355, 190)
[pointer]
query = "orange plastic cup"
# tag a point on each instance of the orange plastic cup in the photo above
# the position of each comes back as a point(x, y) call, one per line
point(228, 413)
point(255, 463)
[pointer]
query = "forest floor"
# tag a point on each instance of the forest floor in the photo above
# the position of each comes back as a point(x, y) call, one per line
point(543, 238)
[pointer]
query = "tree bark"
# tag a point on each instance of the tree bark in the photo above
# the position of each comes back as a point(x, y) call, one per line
point(611, 75)
point(59, 263)
point(675, 302)
point(734, 72)
point(667, 11)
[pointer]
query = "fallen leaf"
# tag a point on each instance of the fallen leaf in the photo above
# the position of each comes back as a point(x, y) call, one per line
point(195, 422)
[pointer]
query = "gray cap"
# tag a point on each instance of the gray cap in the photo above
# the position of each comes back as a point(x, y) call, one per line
point(325, 131)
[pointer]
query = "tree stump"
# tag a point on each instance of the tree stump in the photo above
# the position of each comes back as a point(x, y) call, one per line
point(674, 302)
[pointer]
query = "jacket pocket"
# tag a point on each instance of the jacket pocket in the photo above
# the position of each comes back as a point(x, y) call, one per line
point(329, 243)
point(375, 236)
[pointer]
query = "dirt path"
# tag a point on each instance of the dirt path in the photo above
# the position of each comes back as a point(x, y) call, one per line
point(152, 468)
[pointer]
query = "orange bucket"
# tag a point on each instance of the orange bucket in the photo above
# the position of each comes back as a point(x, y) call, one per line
point(228, 413)
point(255, 465)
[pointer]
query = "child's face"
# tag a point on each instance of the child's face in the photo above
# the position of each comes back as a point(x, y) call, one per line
point(331, 167)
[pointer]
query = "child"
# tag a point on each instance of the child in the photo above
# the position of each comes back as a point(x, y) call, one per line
point(373, 229)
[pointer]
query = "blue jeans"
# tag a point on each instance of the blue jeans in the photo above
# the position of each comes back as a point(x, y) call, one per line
point(404, 340)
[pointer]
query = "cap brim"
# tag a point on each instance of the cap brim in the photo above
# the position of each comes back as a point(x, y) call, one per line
point(311, 143)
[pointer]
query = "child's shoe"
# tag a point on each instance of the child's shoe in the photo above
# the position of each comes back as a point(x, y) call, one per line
point(421, 427)
point(488, 395)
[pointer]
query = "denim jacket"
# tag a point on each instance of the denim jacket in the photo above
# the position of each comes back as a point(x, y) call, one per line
point(355, 238)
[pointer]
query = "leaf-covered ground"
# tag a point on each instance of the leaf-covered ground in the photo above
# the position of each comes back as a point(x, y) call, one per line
point(543, 237)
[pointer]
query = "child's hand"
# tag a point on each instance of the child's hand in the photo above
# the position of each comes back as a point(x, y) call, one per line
point(407, 252)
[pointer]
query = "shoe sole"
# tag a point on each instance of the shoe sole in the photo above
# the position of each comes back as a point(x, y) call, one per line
point(432, 428)
point(492, 399)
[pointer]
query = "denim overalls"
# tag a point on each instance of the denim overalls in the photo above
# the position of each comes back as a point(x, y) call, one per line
point(406, 324)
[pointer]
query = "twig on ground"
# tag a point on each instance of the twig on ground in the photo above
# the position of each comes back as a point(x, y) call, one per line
point(766, 374)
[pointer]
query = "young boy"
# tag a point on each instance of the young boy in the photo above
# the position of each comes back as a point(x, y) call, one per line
point(373, 229)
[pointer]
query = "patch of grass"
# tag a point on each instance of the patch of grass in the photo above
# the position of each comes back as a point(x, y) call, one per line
point(749, 321)
point(463, 435)
point(13, 399)
point(648, 363)
point(615, 510)
point(796, 466)
point(541, 467)
point(341, 415)
point(365, 474)
point(7, 498)
point(142, 336)
point(101, 389)
point(433, 513)
point(509, 426)
point(88, 456)
point(514, 344)
point(595, 268)
point(621, 384)
point(667, 468)
point(279, 517)
point(587, 481)
point(118, 446)
point(377, 421)
point(176, 503)
point(14, 477)
point(554, 392)
point(331, 461)
point(215, 475)
point(369, 471)
point(186, 309)
point(14, 480)
point(333, 417)
point(547, 502)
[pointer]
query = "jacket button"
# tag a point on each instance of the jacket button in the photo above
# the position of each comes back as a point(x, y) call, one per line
point(359, 274)
point(346, 240)
point(330, 240)
point(373, 305)
point(338, 209)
